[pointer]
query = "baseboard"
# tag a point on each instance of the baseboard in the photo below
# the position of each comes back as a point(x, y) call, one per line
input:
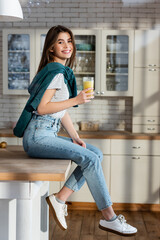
point(116, 206)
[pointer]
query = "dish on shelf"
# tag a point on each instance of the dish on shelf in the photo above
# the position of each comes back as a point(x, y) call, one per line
point(113, 46)
point(84, 47)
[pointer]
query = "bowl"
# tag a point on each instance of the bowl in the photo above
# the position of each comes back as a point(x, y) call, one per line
point(84, 47)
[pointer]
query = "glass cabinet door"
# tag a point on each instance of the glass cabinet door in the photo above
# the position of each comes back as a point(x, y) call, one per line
point(118, 54)
point(87, 56)
point(17, 68)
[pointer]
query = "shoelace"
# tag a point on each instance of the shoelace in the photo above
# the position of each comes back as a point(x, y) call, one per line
point(121, 218)
point(65, 210)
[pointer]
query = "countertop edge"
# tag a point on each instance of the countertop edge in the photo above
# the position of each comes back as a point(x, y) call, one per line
point(97, 135)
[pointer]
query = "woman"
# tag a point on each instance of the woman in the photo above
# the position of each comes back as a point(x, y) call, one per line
point(53, 91)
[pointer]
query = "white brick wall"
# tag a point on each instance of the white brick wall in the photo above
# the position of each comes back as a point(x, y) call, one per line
point(112, 113)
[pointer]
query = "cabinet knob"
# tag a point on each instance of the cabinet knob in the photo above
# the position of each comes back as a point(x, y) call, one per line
point(138, 147)
point(152, 69)
point(98, 93)
point(152, 65)
point(150, 128)
point(150, 120)
point(102, 93)
point(136, 158)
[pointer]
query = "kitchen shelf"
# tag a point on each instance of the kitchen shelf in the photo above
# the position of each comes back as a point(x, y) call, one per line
point(84, 73)
point(12, 51)
point(117, 52)
point(78, 51)
point(114, 74)
point(18, 72)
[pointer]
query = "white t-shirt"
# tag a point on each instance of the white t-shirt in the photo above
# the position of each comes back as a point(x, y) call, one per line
point(61, 93)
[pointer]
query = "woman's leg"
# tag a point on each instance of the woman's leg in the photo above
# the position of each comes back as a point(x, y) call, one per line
point(76, 179)
point(44, 145)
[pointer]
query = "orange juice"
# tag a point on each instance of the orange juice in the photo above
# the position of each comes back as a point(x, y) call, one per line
point(88, 83)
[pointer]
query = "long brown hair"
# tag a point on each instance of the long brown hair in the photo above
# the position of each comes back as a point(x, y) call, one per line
point(51, 38)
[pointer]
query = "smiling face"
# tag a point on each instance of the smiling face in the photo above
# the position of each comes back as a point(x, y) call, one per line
point(63, 48)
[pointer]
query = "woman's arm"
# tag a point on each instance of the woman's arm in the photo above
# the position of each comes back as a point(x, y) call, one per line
point(48, 107)
point(68, 125)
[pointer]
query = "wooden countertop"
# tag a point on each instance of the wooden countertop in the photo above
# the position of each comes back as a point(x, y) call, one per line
point(98, 135)
point(16, 165)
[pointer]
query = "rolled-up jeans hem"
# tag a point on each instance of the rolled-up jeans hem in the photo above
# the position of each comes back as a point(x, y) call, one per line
point(106, 207)
point(72, 188)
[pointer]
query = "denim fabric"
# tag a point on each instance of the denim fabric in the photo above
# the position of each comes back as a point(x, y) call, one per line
point(41, 141)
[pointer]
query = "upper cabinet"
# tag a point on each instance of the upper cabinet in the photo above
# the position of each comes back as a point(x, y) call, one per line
point(147, 48)
point(146, 104)
point(105, 56)
point(18, 60)
point(116, 63)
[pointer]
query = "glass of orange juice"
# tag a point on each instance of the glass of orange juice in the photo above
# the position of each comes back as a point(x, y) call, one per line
point(88, 82)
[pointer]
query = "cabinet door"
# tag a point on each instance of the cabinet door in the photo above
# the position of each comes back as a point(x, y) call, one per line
point(135, 179)
point(147, 48)
point(18, 60)
point(117, 63)
point(40, 38)
point(146, 92)
point(87, 57)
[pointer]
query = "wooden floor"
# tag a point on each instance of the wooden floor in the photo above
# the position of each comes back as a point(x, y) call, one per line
point(83, 225)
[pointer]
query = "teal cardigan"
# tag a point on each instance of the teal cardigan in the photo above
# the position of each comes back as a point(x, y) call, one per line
point(37, 88)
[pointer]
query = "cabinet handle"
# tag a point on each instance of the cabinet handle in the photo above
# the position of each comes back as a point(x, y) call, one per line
point(136, 147)
point(98, 93)
point(150, 120)
point(152, 65)
point(152, 69)
point(150, 128)
point(136, 158)
point(102, 93)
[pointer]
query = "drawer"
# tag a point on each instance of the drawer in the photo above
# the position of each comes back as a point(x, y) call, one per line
point(135, 180)
point(146, 128)
point(135, 147)
point(146, 120)
point(102, 144)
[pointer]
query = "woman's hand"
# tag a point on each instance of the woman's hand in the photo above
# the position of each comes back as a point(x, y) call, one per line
point(84, 96)
point(78, 141)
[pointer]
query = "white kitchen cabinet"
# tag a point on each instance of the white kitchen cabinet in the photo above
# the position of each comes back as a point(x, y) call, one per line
point(146, 104)
point(18, 60)
point(147, 92)
point(117, 63)
point(135, 168)
point(147, 48)
point(135, 179)
point(105, 55)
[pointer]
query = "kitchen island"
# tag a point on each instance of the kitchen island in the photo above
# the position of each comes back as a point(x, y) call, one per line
point(24, 185)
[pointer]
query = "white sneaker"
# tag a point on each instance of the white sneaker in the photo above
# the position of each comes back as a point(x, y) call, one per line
point(118, 226)
point(59, 211)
